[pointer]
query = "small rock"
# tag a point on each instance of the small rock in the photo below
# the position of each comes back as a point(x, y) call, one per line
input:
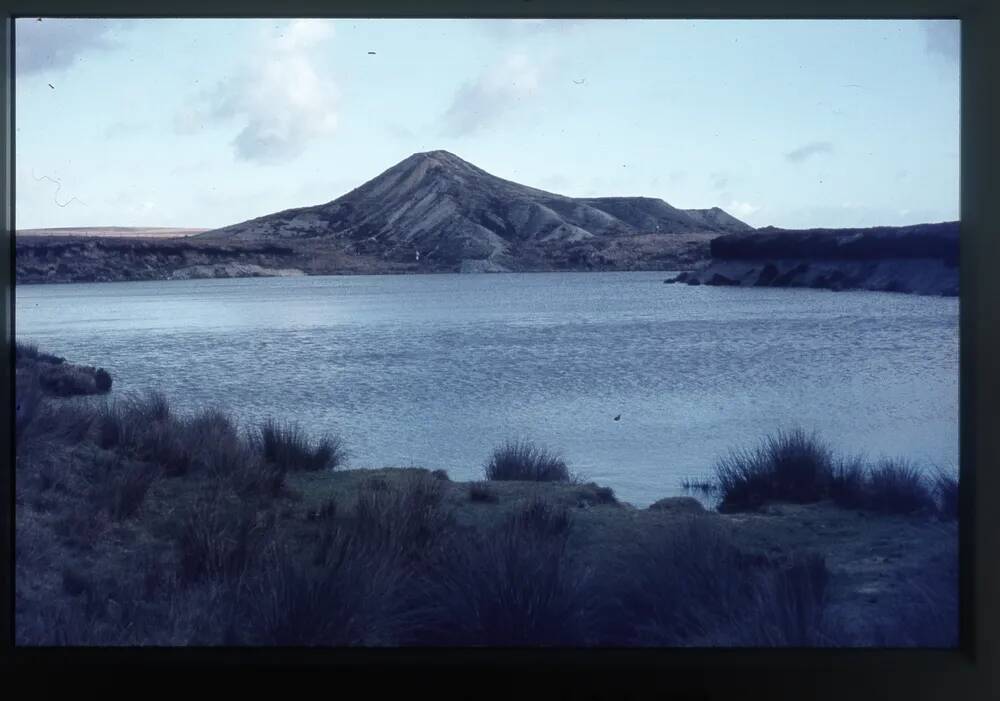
point(718, 279)
point(678, 504)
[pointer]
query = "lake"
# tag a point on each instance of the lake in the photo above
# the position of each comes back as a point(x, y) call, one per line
point(435, 370)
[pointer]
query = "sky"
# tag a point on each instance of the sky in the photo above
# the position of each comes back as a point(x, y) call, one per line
point(204, 123)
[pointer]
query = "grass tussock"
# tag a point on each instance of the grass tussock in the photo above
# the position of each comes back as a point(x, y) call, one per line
point(898, 487)
point(218, 538)
point(286, 445)
point(514, 585)
point(122, 490)
point(946, 491)
point(788, 466)
point(799, 468)
point(353, 595)
point(523, 460)
point(28, 399)
point(406, 518)
point(697, 588)
point(848, 482)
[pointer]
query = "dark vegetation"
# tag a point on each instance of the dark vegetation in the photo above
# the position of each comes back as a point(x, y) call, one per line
point(919, 241)
point(139, 526)
point(523, 460)
point(800, 468)
point(57, 377)
point(288, 448)
point(480, 491)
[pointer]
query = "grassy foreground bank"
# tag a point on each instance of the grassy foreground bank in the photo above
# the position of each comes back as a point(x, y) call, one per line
point(138, 526)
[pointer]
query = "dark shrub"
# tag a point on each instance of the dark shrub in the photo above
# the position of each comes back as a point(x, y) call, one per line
point(441, 475)
point(786, 609)
point(695, 587)
point(103, 380)
point(946, 490)
point(28, 403)
point(255, 477)
point(122, 487)
point(592, 493)
point(481, 491)
point(848, 483)
point(165, 444)
point(68, 380)
point(513, 585)
point(216, 445)
point(353, 596)
point(288, 446)
point(792, 466)
point(25, 350)
point(686, 586)
point(125, 423)
point(897, 487)
point(523, 460)
point(540, 517)
point(219, 535)
point(405, 518)
point(150, 407)
point(113, 426)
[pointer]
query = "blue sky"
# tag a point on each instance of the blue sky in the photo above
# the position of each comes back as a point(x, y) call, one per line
point(203, 123)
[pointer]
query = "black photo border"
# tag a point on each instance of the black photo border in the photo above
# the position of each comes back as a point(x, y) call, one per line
point(966, 673)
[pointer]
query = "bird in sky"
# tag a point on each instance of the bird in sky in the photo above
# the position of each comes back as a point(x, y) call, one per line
point(618, 417)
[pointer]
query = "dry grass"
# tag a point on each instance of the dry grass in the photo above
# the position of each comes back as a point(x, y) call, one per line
point(898, 487)
point(287, 446)
point(946, 490)
point(789, 466)
point(511, 586)
point(523, 460)
point(136, 526)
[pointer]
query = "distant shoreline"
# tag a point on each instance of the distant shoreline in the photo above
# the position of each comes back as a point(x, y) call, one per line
point(920, 259)
point(68, 259)
point(114, 231)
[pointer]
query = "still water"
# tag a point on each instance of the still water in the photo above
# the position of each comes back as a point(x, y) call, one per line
point(435, 370)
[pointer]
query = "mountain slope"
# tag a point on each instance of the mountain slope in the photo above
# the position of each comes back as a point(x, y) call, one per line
point(434, 205)
point(719, 220)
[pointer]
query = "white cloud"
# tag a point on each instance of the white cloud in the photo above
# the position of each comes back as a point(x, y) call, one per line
point(809, 150)
point(283, 100)
point(742, 209)
point(498, 89)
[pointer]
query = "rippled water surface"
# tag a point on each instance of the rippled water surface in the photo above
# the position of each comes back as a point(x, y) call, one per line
point(434, 370)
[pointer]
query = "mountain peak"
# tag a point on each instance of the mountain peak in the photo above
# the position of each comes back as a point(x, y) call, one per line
point(438, 155)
